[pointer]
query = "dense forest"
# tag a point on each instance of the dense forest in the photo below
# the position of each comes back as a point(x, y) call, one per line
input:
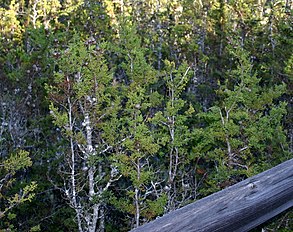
point(115, 112)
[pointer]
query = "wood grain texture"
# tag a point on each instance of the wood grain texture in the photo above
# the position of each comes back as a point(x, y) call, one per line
point(240, 207)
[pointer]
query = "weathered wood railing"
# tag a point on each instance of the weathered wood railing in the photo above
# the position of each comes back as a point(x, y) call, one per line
point(240, 207)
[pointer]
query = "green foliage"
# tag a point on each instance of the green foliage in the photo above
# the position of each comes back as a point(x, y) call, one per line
point(17, 161)
point(174, 134)
point(9, 200)
point(155, 207)
point(139, 145)
point(160, 102)
point(245, 126)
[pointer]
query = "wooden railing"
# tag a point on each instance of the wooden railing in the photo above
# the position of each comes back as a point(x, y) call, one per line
point(240, 207)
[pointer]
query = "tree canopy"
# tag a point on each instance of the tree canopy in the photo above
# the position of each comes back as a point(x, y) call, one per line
point(116, 112)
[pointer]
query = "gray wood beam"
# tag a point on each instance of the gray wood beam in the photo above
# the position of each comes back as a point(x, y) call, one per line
point(237, 208)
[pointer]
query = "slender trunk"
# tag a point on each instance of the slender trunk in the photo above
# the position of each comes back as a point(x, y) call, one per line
point(222, 26)
point(137, 209)
point(73, 183)
point(90, 151)
point(93, 218)
point(160, 45)
point(34, 16)
point(203, 32)
point(290, 135)
point(173, 154)
point(137, 200)
point(91, 183)
point(172, 135)
point(170, 166)
point(72, 165)
point(224, 122)
point(122, 6)
point(230, 154)
point(102, 219)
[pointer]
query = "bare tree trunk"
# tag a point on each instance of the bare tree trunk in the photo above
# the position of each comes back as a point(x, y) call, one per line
point(137, 196)
point(173, 153)
point(90, 151)
point(137, 208)
point(224, 122)
point(102, 219)
point(73, 196)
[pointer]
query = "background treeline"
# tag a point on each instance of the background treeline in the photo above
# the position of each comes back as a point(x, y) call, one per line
point(113, 113)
